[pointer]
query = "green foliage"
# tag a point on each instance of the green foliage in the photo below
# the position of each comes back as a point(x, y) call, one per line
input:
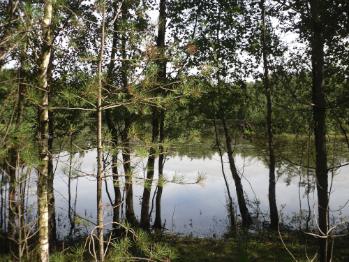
point(71, 254)
point(140, 246)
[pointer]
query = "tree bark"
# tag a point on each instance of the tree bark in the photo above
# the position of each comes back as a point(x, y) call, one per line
point(274, 217)
point(145, 224)
point(245, 215)
point(156, 117)
point(117, 192)
point(51, 195)
point(126, 146)
point(100, 167)
point(230, 199)
point(115, 172)
point(114, 131)
point(126, 156)
point(70, 209)
point(160, 42)
point(2, 201)
point(44, 133)
point(157, 222)
point(319, 118)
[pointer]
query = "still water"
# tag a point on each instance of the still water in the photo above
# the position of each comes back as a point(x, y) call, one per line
point(198, 209)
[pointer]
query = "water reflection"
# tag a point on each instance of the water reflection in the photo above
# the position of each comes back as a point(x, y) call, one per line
point(194, 206)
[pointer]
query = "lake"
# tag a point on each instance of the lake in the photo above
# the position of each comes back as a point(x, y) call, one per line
point(200, 209)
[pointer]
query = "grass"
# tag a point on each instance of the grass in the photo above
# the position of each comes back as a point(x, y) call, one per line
point(247, 247)
point(263, 246)
point(241, 248)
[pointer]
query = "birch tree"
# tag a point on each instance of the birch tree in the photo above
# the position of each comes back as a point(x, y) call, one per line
point(43, 88)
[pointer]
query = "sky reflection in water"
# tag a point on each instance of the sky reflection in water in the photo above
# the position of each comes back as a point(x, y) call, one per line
point(198, 209)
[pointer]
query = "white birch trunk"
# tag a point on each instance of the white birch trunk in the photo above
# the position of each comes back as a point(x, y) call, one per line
point(44, 134)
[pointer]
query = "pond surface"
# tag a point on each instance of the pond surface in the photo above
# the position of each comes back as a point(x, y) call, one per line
point(200, 209)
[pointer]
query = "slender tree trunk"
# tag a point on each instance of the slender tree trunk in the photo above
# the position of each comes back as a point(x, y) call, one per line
point(126, 151)
point(2, 201)
point(230, 199)
point(117, 192)
point(12, 225)
point(112, 127)
point(157, 222)
point(51, 195)
point(156, 117)
point(14, 161)
point(245, 215)
point(44, 133)
point(319, 118)
point(162, 63)
point(70, 209)
point(100, 168)
point(126, 156)
point(115, 172)
point(23, 230)
point(274, 217)
point(126, 146)
point(5, 208)
point(145, 224)
point(51, 201)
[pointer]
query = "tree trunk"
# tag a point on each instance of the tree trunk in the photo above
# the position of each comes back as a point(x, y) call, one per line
point(156, 118)
point(157, 222)
point(230, 202)
point(319, 118)
point(117, 192)
point(162, 79)
point(112, 127)
point(115, 172)
point(274, 217)
point(245, 215)
point(100, 168)
point(145, 224)
point(126, 156)
point(126, 149)
point(2, 201)
point(70, 209)
point(44, 133)
point(14, 162)
point(51, 195)
point(12, 225)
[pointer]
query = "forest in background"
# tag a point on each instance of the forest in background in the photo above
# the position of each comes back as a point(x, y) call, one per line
point(109, 75)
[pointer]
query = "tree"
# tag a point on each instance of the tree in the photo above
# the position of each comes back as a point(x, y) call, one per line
point(217, 36)
point(44, 132)
point(112, 125)
point(160, 43)
point(14, 214)
point(323, 24)
point(319, 117)
point(274, 217)
point(100, 167)
point(157, 120)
